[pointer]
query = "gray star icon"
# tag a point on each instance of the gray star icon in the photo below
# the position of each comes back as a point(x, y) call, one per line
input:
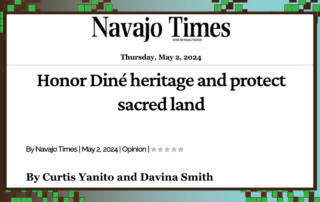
point(153, 149)
point(174, 149)
point(180, 149)
point(167, 149)
point(160, 149)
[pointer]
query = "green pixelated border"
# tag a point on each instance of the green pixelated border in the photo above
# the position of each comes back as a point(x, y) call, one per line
point(280, 196)
point(229, 5)
point(93, 6)
point(88, 8)
point(33, 195)
point(96, 6)
point(302, 6)
point(1, 22)
point(11, 7)
point(54, 195)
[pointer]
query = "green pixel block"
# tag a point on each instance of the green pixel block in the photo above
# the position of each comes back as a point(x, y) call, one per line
point(65, 199)
point(224, 2)
point(32, 8)
point(259, 190)
point(71, 194)
point(264, 199)
point(258, 199)
point(10, 8)
point(275, 194)
point(80, 8)
point(55, 194)
point(50, 190)
point(280, 199)
point(295, 8)
point(248, 199)
point(290, 199)
point(316, 8)
point(95, 2)
point(24, 199)
point(109, 8)
point(45, 200)
point(39, 194)
point(301, 199)
point(8, 191)
point(19, 199)
point(290, 194)
point(34, 191)
point(306, 194)
point(13, 199)
point(81, 200)
point(287, 8)
point(239, 8)
point(55, 199)
point(316, 199)
point(29, 199)
point(302, 2)
point(217, 8)
point(1, 14)
point(87, 8)
point(17, 2)
point(254, 199)
point(243, 191)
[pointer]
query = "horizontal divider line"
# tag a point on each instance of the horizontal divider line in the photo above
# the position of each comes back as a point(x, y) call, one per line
point(159, 64)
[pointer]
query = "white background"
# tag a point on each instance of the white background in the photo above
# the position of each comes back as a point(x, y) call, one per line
point(248, 138)
point(67, 39)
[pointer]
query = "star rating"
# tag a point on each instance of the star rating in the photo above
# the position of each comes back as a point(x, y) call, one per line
point(167, 149)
